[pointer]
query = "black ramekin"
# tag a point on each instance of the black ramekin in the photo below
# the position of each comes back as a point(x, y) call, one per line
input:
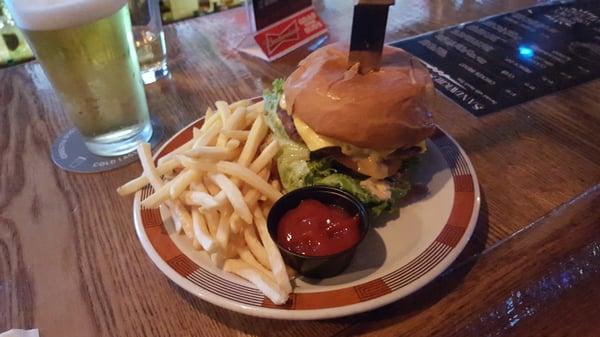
point(318, 266)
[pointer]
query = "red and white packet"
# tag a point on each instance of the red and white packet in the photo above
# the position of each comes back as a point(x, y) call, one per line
point(285, 35)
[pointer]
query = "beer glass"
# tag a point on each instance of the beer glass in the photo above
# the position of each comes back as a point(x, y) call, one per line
point(149, 39)
point(86, 49)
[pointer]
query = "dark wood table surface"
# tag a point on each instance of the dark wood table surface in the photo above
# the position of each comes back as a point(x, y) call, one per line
point(71, 265)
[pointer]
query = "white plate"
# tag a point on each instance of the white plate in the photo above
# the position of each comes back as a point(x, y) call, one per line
point(397, 258)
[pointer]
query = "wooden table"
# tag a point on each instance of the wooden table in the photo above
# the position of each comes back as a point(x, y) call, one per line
point(71, 265)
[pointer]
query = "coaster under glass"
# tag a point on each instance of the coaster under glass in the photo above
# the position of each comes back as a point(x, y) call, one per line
point(70, 153)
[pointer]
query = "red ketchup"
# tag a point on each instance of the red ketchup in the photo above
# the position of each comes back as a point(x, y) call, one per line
point(316, 229)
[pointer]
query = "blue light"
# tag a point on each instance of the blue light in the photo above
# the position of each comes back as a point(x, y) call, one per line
point(525, 51)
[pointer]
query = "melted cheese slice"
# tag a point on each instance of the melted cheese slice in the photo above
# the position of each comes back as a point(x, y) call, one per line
point(315, 141)
point(368, 162)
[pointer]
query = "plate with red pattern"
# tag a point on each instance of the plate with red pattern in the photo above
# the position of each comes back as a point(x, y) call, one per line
point(402, 253)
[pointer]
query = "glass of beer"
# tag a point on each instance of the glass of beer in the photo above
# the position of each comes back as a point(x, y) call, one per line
point(149, 39)
point(86, 49)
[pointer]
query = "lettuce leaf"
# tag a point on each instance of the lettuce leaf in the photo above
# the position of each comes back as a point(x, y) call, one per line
point(322, 172)
point(292, 160)
point(292, 164)
point(272, 98)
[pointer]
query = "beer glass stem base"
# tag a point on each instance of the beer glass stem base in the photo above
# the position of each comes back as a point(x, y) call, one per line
point(120, 142)
point(153, 74)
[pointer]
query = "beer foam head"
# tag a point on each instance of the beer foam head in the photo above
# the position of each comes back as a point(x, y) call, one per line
point(59, 14)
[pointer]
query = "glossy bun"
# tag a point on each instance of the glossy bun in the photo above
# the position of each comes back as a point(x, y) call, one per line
point(378, 110)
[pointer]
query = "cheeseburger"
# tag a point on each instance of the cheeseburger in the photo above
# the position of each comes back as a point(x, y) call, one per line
point(358, 132)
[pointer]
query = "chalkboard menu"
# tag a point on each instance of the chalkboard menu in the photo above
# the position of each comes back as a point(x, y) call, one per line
point(501, 61)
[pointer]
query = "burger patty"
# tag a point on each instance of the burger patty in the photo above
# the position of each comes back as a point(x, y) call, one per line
point(393, 161)
point(401, 154)
point(406, 152)
point(290, 129)
point(288, 125)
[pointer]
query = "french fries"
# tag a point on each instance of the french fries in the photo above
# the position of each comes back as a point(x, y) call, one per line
point(249, 177)
point(217, 187)
point(234, 195)
point(236, 134)
point(198, 198)
point(201, 232)
point(141, 181)
point(262, 281)
point(275, 259)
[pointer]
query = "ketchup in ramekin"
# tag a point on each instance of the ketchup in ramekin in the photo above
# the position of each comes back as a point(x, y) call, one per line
point(316, 229)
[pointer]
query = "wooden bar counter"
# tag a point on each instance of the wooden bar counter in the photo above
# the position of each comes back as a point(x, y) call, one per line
point(71, 264)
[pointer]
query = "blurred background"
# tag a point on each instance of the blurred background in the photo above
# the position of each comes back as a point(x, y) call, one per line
point(14, 49)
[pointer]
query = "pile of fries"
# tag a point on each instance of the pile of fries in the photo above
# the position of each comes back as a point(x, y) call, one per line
point(219, 189)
